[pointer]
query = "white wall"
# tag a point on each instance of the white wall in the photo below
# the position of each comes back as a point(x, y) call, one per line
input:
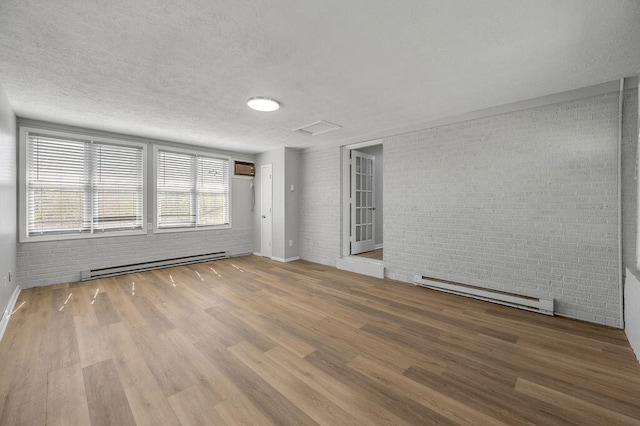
point(292, 203)
point(377, 151)
point(285, 162)
point(632, 311)
point(8, 185)
point(524, 201)
point(276, 159)
point(630, 188)
point(242, 202)
point(320, 212)
point(52, 262)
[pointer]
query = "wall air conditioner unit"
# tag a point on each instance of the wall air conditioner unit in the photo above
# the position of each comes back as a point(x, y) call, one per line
point(244, 168)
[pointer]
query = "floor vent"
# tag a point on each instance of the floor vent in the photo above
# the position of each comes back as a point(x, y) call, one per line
point(528, 303)
point(146, 266)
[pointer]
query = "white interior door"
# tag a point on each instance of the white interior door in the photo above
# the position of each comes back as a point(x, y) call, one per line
point(362, 203)
point(266, 210)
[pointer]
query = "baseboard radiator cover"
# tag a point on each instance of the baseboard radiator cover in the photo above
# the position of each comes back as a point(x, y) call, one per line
point(147, 266)
point(528, 303)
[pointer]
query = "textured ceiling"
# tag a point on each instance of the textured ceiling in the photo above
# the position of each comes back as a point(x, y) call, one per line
point(182, 70)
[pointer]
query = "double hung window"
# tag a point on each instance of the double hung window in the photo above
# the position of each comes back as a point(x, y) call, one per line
point(77, 186)
point(192, 190)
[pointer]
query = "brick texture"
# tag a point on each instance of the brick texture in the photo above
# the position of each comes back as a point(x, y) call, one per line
point(629, 180)
point(524, 202)
point(320, 205)
point(629, 219)
point(44, 263)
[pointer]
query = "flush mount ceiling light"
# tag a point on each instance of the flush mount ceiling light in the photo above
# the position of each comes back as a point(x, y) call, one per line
point(264, 104)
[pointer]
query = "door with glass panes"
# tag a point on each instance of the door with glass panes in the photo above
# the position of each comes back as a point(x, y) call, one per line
point(362, 202)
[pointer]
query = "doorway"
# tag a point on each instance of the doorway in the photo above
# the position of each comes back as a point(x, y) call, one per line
point(378, 201)
point(363, 208)
point(363, 219)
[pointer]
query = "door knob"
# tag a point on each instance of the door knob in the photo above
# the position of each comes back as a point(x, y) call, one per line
point(264, 217)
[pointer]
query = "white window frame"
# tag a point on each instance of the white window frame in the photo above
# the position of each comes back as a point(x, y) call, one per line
point(24, 236)
point(156, 212)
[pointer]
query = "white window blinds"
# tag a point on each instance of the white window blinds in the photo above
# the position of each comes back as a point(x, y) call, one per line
point(117, 187)
point(193, 190)
point(79, 186)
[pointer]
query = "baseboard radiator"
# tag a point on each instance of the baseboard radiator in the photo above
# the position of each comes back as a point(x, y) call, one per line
point(528, 303)
point(146, 266)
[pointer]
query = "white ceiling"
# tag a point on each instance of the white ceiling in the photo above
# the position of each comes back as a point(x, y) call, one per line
point(182, 70)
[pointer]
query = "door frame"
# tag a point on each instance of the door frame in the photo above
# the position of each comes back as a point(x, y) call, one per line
point(263, 186)
point(346, 191)
point(365, 244)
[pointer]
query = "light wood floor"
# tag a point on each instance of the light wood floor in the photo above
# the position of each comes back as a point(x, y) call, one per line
point(252, 341)
point(376, 254)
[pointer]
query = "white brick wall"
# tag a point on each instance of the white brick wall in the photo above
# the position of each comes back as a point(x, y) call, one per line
point(45, 263)
point(524, 202)
point(629, 182)
point(52, 262)
point(320, 205)
point(629, 219)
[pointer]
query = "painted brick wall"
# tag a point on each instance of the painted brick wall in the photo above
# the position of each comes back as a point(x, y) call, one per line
point(629, 182)
point(524, 202)
point(629, 219)
point(320, 205)
point(53, 262)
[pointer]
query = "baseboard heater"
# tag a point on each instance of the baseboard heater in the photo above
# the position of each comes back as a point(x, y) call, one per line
point(528, 303)
point(146, 266)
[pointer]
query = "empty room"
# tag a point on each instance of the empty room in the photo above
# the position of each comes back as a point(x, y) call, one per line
point(324, 212)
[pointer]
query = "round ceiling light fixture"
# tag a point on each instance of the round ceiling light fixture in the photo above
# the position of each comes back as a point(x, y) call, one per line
point(263, 104)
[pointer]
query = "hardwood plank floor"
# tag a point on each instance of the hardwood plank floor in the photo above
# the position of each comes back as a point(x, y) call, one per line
point(253, 341)
point(376, 254)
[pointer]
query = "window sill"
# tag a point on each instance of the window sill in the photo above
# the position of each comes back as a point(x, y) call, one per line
point(80, 236)
point(199, 228)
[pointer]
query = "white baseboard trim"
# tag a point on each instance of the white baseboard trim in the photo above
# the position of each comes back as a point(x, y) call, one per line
point(241, 254)
point(280, 259)
point(379, 246)
point(7, 313)
point(255, 253)
point(361, 265)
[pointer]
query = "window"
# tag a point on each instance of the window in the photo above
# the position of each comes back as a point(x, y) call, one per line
point(77, 186)
point(192, 190)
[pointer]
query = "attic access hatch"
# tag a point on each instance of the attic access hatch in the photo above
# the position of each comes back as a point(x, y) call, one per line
point(244, 168)
point(318, 128)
